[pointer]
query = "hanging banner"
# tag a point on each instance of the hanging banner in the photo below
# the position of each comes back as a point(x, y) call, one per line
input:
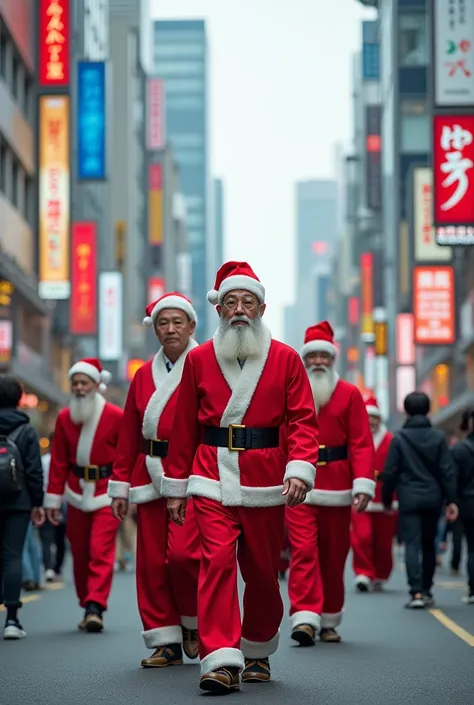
point(453, 53)
point(91, 121)
point(83, 313)
point(110, 316)
point(367, 294)
point(155, 205)
point(425, 246)
point(54, 42)
point(433, 305)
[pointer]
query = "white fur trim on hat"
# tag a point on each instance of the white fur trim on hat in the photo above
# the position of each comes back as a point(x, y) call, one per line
point(239, 281)
point(170, 302)
point(318, 346)
point(85, 368)
point(373, 411)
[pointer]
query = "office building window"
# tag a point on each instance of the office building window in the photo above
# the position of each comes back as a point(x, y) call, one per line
point(168, 36)
point(177, 85)
point(179, 68)
point(413, 39)
point(175, 51)
point(194, 220)
point(194, 202)
point(195, 237)
point(415, 134)
point(186, 140)
point(414, 106)
point(192, 102)
point(186, 157)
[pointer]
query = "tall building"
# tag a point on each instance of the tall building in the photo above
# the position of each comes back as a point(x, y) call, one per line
point(180, 57)
point(219, 221)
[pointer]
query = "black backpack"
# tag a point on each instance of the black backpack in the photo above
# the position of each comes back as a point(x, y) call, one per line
point(11, 465)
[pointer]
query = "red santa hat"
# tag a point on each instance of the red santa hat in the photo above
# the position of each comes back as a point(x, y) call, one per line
point(171, 300)
point(91, 367)
point(319, 338)
point(372, 407)
point(235, 275)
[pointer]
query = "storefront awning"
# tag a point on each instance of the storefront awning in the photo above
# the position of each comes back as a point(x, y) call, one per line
point(44, 388)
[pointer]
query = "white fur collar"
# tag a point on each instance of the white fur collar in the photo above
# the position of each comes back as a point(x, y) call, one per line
point(379, 435)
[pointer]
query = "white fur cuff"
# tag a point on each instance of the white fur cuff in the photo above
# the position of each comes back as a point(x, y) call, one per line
point(222, 657)
point(118, 490)
point(259, 649)
point(301, 470)
point(318, 346)
point(331, 621)
point(162, 636)
point(306, 617)
point(52, 501)
point(173, 488)
point(362, 485)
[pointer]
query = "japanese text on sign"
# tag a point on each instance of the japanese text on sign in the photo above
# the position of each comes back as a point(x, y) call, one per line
point(434, 305)
point(54, 42)
point(84, 293)
point(455, 166)
point(454, 52)
point(91, 106)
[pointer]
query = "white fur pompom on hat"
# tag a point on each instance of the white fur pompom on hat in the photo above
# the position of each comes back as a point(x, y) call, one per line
point(148, 321)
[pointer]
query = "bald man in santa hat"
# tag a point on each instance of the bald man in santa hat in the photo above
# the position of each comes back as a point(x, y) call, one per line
point(373, 531)
point(168, 556)
point(82, 453)
point(319, 530)
point(237, 390)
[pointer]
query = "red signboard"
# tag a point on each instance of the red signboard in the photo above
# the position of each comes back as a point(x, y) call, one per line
point(155, 114)
point(54, 43)
point(156, 288)
point(453, 177)
point(83, 315)
point(433, 305)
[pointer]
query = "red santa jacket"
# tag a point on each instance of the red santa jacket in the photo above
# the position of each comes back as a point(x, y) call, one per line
point(342, 421)
point(91, 443)
point(382, 440)
point(214, 391)
point(149, 413)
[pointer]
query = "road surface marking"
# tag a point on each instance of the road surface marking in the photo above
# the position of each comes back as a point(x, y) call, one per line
point(451, 585)
point(54, 586)
point(28, 598)
point(453, 627)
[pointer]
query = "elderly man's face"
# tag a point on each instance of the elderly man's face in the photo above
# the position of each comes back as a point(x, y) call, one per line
point(82, 385)
point(374, 422)
point(318, 359)
point(240, 304)
point(174, 329)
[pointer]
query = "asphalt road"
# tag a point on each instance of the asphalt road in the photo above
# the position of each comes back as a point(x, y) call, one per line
point(390, 656)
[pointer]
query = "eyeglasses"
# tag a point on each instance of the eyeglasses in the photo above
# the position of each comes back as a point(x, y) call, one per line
point(231, 304)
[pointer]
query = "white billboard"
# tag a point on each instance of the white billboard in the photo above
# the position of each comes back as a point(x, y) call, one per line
point(424, 241)
point(110, 316)
point(453, 53)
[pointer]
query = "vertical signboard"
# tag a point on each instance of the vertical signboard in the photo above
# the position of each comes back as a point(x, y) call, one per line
point(6, 341)
point(405, 339)
point(54, 198)
point(110, 316)
point(155, 205)
point(370, 51)
point(54, 43)
point(433, 305)
point(91, 121)
point(425, 246)
point(373, 157)
point(156, 288)
point(453, 179)
point(367, 295)
point(83, 314)
point(453, 53)
point(155, 114)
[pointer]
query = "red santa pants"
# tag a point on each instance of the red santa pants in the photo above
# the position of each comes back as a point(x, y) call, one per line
point(167, 569)
point(253, 537)
point(285, 553)
point(320, 542)
point(372, 539)
point(92, 536)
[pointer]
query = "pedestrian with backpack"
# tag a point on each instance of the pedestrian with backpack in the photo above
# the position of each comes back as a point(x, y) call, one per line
point(21, 497)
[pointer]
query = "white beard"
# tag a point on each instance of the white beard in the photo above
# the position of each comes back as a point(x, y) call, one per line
point(322, 383)
point(82, 408)
point(240, 341)
point(379, 435)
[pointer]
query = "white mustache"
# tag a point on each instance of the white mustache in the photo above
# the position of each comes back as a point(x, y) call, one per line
point(243, 318)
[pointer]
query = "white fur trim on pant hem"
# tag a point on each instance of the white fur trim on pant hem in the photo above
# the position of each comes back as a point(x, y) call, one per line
point(222, 657)
point(378, 507)
point(331, 621)
point(189, 622)
point(306, 617)
point(143, 494)
point(318, 346)
point(330, 498)
point(260, 649)
point(364, 486)
point(52, 501)
point(362, 580)
point(118, 490)
point(173, 488)
point(249, 496)
point(162, 636)
point(301, 470)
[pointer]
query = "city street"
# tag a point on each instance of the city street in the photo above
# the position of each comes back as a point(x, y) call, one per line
point(390, 656)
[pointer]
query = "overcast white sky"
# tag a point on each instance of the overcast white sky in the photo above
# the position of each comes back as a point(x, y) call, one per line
point(280, 74)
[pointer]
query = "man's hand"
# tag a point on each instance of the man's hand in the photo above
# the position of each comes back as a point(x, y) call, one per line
point(119, 508)
point(38, 516)
point(295, 491)
point(360, 502)
point(177, 509)
point(53, 516)
point(452, 512)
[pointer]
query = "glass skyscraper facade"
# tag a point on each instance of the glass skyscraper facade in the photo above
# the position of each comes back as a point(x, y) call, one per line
point(180, 57)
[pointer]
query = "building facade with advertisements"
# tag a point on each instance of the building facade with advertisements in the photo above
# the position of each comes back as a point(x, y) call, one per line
point(28, 348)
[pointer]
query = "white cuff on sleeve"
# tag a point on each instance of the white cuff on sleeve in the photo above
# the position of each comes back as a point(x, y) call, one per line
point(173, 488)
point(52, 501)
point(362, 485)
point(118, 490)
point(301, 470)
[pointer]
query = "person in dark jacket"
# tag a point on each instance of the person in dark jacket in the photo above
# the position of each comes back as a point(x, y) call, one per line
point(463, 458)
point(17, 509)
point(419, 469)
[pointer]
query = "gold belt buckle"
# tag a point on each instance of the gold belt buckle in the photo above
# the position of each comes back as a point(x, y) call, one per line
point(150, 447)
point(87, 471)
point(230, 443)
point(320, 463)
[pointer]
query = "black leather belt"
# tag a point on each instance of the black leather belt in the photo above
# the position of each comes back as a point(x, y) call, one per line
point(331, 455)
point(235, 437)
point(156, 449)
point(92, 473)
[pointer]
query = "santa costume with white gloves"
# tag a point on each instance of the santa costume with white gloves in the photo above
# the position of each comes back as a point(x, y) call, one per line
point(236, 392)
point(168, 556)
point(319, 530)
point(82, 453)
point(373, 532)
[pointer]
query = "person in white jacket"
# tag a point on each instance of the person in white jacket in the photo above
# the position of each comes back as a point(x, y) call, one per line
point(53, 538)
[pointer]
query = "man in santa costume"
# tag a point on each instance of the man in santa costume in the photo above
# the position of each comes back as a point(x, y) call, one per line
point(82, 453)
point(373, 531)
point(320, 529)
point(168, 556)
point(237, 390)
